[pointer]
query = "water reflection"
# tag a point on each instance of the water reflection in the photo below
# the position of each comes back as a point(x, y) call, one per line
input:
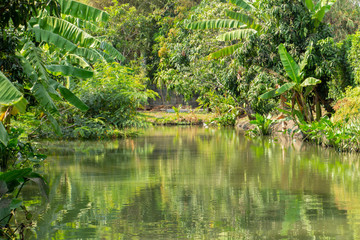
point(190, 183)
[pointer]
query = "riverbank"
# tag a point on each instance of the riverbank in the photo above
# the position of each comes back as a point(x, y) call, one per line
point(181, 118)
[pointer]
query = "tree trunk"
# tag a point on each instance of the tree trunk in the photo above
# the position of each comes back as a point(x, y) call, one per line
point(317, 106)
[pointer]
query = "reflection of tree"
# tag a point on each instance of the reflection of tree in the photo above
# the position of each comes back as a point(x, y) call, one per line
point(198, 183)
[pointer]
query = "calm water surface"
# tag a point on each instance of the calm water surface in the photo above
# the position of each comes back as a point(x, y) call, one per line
point(195, 183)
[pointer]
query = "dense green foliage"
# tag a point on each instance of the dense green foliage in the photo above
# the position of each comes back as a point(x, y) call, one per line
point(81, 72)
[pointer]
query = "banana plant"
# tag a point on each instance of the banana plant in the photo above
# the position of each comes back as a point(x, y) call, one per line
point(11, 101)
point(246, 23)
point(319, 9)
point(300, 86)
point(61, 48)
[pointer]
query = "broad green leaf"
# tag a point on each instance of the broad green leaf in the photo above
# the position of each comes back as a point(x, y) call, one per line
point(83, 11)
point(33, 55)
point(43, 97)
point(284, 88)
point(109, 49)
point(14, 174)
point(284, 111)
point(82, 23)
point(69, 71)
point(78, 61)
point(268, 95)
point(68, 31)
point(243, 4)
point(291, 67)
point(319, 15)
point(4, 136)
point(9, 94)
point(247, 20)
point(310, 81)
point(15, 203)
point(276, 92)
point(42, 35)
point(309, 4)
point(73, 99)
point(215, 24)
point(239, 34)
point(51, 89)
point(20, 106)
point(28, 69)
point(226, 51)
point(90, 54)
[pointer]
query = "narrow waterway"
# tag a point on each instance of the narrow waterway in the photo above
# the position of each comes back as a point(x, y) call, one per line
point(197, 183)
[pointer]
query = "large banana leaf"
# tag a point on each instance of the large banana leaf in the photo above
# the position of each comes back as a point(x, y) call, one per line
point(76, 35)
point(69, 96)
point(43, 97)
point(82, 23)
point(89, 54)
point(72, 98)
point(78, 61)
point(20, 106)
point(245, 19)
point(309, 4)
point(69, 71)
point(277, 92)
point(33, 56)
point(239, 34)
point(226, 51)
point(291, 67)
point(9, 94)
point(215, 24)
point(107, 58)
point(4, 136)
point(310, 81)
point(109, 49)
point(69, 31)
point(83, 11)
point(243, 4)
point(42, 35)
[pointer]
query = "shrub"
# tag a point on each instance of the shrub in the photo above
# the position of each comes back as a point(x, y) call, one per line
point(347, 107)
point(114, 95)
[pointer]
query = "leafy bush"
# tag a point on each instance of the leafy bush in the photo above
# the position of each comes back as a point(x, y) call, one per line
point(262, 125)
point(341, 136)
point(347, 107)
point(114, 95)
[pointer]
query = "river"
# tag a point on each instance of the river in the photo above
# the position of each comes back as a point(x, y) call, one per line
point(196, 183)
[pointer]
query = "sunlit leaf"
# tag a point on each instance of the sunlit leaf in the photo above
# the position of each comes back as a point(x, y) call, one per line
point(226, 51)
point(83, 11)
point(69, 71)
point(310, 82)
point(291, 67)
point(8, 92)
point(236, 35)
point(215, 24)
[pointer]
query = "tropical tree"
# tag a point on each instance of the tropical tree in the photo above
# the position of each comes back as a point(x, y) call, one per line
point(246, 22)
point(298, 82)
point(61, 47)
point(257, 29)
